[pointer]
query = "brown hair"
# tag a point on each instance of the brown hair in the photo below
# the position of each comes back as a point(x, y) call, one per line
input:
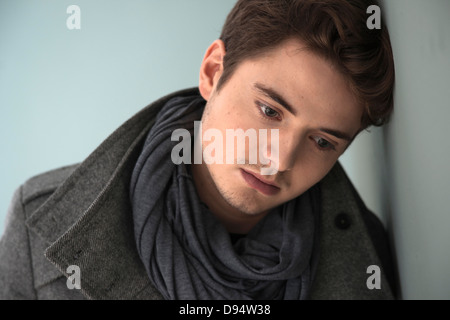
point(333, 29)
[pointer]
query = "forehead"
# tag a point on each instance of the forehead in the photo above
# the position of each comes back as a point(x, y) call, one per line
point(311, 84)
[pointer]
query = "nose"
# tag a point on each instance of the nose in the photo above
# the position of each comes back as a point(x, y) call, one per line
point(288, 151)
point(281, 152)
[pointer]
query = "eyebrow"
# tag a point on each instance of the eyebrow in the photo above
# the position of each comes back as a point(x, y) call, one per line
point(338, 134)
point(272, 94)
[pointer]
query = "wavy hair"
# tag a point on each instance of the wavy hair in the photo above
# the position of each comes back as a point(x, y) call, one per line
point(334, 29)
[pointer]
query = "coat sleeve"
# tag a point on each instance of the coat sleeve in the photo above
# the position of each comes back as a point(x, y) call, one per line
point(16, 274)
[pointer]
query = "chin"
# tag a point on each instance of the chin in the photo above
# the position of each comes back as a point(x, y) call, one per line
point(238, 195)
point(247, 201)
point(250, 209)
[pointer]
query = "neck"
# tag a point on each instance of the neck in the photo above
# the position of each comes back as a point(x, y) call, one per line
point(234, 220)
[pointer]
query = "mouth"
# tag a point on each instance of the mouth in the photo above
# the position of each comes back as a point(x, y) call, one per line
point(256, 182)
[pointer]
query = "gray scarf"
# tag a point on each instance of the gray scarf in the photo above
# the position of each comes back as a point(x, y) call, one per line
point(187, 252)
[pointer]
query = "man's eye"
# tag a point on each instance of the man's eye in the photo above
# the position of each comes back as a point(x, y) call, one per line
point(323, 144)
point(269, 112)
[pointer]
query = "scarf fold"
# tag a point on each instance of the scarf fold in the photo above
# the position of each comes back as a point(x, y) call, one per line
point(187, 252)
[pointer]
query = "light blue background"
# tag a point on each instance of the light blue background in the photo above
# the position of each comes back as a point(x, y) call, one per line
point(62, 92)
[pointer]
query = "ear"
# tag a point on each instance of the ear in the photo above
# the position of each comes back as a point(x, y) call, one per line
point(211, 68)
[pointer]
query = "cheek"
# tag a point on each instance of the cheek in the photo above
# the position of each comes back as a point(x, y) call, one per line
point(219, 115)
point(230, 108)
point(307, 175)
point(226, 116)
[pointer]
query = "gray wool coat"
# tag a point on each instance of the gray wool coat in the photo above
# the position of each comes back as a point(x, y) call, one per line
point(80, 215)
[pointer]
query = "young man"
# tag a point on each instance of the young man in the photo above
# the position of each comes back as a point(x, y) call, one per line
point(134, 222)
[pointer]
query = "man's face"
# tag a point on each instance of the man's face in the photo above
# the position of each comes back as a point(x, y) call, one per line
point(302, 96)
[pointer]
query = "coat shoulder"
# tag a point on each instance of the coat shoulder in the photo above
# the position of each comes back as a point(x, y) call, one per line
point(44, 184)
point(23, 268)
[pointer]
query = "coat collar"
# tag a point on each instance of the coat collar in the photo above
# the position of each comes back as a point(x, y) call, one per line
point(86, 222)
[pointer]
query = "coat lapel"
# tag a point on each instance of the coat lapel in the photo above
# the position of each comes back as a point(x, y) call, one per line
point(88, 221)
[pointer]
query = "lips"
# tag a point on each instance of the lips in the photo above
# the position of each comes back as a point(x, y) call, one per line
point(263, 186)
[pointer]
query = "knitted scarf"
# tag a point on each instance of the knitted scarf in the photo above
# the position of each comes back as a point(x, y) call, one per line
point(187, 252)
